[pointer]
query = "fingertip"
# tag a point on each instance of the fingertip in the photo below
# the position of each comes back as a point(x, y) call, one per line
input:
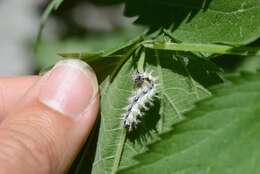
point(70, 87)
point(57, 114)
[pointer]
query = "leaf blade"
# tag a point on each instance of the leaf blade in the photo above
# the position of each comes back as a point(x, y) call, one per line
point(228, 22)
point(215, 138)
point(111, 155)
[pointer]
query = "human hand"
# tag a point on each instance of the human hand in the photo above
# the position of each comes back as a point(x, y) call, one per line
point(45, 120)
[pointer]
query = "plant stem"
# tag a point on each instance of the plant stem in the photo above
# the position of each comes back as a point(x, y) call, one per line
point(207, 48)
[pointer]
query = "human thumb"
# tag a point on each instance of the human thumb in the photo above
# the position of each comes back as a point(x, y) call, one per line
point(45, 131)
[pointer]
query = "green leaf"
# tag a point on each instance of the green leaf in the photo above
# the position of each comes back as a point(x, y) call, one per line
point(181, 84)
point(201, 21)
point(221, 135)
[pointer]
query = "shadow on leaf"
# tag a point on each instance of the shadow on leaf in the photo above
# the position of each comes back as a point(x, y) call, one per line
point(147, 125)
point(164, 13)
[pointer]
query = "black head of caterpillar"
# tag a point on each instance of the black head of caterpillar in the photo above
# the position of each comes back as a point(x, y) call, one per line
point(138, 79)
point(141, 78)
point(142, 97)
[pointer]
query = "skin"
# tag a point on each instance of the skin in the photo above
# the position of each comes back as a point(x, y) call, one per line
point(35, 138)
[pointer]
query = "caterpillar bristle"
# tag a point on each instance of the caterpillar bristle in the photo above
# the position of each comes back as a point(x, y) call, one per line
point(151, 103)
point(142, 98)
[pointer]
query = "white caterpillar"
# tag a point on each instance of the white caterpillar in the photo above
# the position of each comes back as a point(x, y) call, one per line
point(143, 96)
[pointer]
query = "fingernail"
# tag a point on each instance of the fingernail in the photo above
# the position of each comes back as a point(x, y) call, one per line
point(69, 88)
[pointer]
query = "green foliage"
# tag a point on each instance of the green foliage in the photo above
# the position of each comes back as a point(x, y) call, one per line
point(180, 87)
point(231, 22)
point(220, 136)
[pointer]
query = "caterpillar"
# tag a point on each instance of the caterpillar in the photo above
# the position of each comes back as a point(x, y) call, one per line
point(143, 97)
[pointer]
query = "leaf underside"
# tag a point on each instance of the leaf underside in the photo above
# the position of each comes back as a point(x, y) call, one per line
point(180, 85)
point(221, 135)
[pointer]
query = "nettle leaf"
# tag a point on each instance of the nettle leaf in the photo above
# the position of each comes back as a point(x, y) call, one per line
point(221, 135)
point(181, 84)
point(200, 21)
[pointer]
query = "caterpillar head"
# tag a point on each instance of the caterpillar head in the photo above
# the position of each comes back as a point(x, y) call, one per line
point(138, 78)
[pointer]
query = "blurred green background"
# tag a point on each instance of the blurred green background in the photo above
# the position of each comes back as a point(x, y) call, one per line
point(77, 26)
